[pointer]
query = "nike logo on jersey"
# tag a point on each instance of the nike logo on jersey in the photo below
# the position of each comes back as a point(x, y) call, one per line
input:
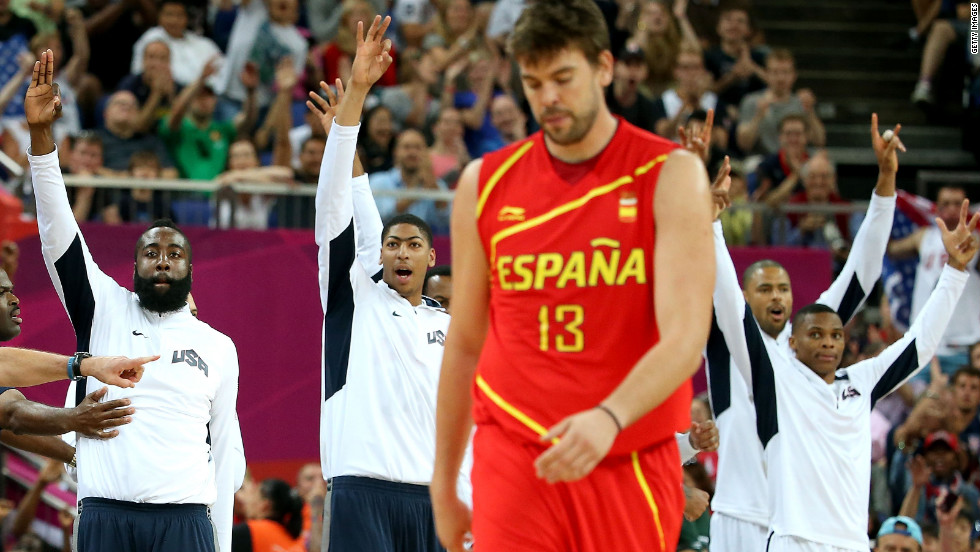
point(139, 334)
point(395, 313)
point(191, 357)
point(437, 337)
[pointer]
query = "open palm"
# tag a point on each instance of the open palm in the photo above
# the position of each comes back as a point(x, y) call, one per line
point(372, 58)
point(961, 244)
point(42, 104)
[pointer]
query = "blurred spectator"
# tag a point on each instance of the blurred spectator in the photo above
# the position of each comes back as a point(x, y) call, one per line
point(413, 101)
point(975, 355)
point(438, 285)
point(935, 469)
point(455, 24)
point(375, 141)
point(963, 416)
point(734, 63)
point(502, 19)
point(761, 112)
point(471, 96)
point(310, 487)
point(45, 14)
point(246, 498)
point(9, 263)
point(930, 538)
point(264, 37)
point(113, 28)
point(412, 170)
point(779, 173)
point(140, 204)
point(818, 229)
point(66, 519)
point(624, 97)
point(448, 152)
point(245, 210)
point(691, 91)
point(189, 51)
point(506, 116)
point(278, 524)
point(51, 472)
point(945, 32)
point(926, 242)
point(660, 34)
point(926, 12)
point(120, 137)
point(324, 16)
point(85, 158)
point(154, 86)
point(15, 36)
point(13, 132)
point(298, 136)
point(955, 528)
point(310, 159)
point(899, 534)
point(695, 532)
point(338, 54)
point(412, 21)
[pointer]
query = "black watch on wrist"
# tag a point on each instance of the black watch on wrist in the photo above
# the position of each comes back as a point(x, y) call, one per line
point(76, 365)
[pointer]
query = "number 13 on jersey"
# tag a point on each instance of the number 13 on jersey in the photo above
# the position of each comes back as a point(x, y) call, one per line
point(560, 328)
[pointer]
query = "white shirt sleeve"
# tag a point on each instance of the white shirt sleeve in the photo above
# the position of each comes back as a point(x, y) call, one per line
point(335, 210)
point(226, 449)
point(863, 267)
point(687, 451)
point(367, 225)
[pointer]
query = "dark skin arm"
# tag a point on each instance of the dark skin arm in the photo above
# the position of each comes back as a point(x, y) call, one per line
point(45, 445)
point(90, 418)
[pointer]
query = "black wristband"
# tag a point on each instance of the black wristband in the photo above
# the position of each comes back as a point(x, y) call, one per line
point(604, 408)
point(76, 365)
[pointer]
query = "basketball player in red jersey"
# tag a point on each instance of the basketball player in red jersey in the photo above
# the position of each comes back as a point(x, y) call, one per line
point(574, 356)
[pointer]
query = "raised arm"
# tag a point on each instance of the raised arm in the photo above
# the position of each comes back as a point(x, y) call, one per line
point(863, 266)
point(334, 228)
point(226, 449)
point(76, 277)
point(187, 95)
point(916, 348)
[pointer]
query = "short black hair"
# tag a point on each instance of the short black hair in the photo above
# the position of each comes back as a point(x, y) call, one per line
point(812, 308)
point(408, 218)
point(965, 370)
point(759, 265)
point(441, 270)
point(163, 223)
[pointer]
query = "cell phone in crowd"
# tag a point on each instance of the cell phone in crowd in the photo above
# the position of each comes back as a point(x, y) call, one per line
point(946, 504)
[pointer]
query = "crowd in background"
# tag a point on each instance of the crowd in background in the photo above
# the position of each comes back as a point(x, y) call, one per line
point(164, 89)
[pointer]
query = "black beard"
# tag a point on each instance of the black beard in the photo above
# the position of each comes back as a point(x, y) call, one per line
point(171, 300)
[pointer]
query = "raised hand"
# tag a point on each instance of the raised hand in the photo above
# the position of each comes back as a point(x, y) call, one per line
point(326, 109)
point(250, 76)
point(961, 243)
point(720, 187)
point(211, 67)
point(372, 58)
point(118, 371)
point(51, 471)
point(42, 104)
point(286, 77)
point(96, 420)
point(699, 143)
point(886, 151)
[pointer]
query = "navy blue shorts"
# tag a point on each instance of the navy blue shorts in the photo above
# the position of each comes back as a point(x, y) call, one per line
point(380, 516)
point(112, 525)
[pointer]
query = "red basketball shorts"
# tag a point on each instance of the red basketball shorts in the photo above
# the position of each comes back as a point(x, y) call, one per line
point(628, 503)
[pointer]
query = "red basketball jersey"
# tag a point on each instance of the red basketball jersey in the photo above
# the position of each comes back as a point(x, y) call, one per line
point(571, 285)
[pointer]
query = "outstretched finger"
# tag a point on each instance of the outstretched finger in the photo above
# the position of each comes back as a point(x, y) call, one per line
point(340, 89)
point(973, 222)
point(37, 73)
point(331, 97)
point(373, 30)
point(321, 106)
point(942, 225)
point(682, 136)
point(964, 211)
point(384, 26)
point(49, 67)
point(359, 38)
point(874, 128)
point(709, 122)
